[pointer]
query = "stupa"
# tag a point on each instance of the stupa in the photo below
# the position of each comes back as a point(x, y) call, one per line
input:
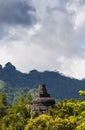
point(42, 101)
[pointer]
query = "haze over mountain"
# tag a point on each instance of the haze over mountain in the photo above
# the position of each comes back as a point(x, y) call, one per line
point(58, 85)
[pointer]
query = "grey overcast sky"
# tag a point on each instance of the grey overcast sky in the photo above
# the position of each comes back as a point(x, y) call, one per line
point(43, 35)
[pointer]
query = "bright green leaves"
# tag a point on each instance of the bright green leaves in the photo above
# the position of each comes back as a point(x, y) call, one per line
point(82, 93)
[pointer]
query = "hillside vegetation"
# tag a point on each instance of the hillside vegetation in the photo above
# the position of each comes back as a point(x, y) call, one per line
point(15, 83)
point(66, 115)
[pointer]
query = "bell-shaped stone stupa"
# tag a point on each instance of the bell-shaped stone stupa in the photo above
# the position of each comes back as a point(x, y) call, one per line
point(42, 101)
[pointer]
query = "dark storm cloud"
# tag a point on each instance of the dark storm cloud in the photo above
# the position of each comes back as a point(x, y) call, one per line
point(16, 12)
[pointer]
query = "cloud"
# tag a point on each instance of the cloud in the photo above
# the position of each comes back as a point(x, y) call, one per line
point(51, 38)
point(16, 12)
point(77, 7)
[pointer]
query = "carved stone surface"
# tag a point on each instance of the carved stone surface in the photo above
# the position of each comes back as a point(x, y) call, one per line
point(42, 101)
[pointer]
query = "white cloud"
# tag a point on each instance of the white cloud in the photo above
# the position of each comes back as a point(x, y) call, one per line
point(77, 9)
point(4, 55)
point(51, 44)
point(80, 18)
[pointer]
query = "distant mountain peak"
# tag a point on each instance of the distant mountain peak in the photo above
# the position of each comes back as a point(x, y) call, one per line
point(0, 67)
point(9, 66)
point(34, 71)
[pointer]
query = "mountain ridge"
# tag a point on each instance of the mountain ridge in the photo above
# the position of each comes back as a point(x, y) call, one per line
point(58, 85)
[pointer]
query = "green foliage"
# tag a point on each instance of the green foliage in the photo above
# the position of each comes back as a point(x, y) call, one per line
point(33, 92)
point(66, 115)
point(46, 122)
point(82, 93)
point(13, 92)
point(3, 101)
point(81, 126)
point(38, 123)
point(2, 85)
point(3, 104)
point(17, 114)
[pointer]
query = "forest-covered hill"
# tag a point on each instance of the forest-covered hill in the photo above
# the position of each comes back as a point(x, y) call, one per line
point(14, 82)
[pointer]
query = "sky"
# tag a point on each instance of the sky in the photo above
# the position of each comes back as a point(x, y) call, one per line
point(43, 35)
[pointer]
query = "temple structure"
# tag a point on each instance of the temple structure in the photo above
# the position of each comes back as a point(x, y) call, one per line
point(42, 101)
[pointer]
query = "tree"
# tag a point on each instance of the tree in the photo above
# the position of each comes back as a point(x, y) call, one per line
point(3, 104)
point(17, 114)
point(82, 93)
